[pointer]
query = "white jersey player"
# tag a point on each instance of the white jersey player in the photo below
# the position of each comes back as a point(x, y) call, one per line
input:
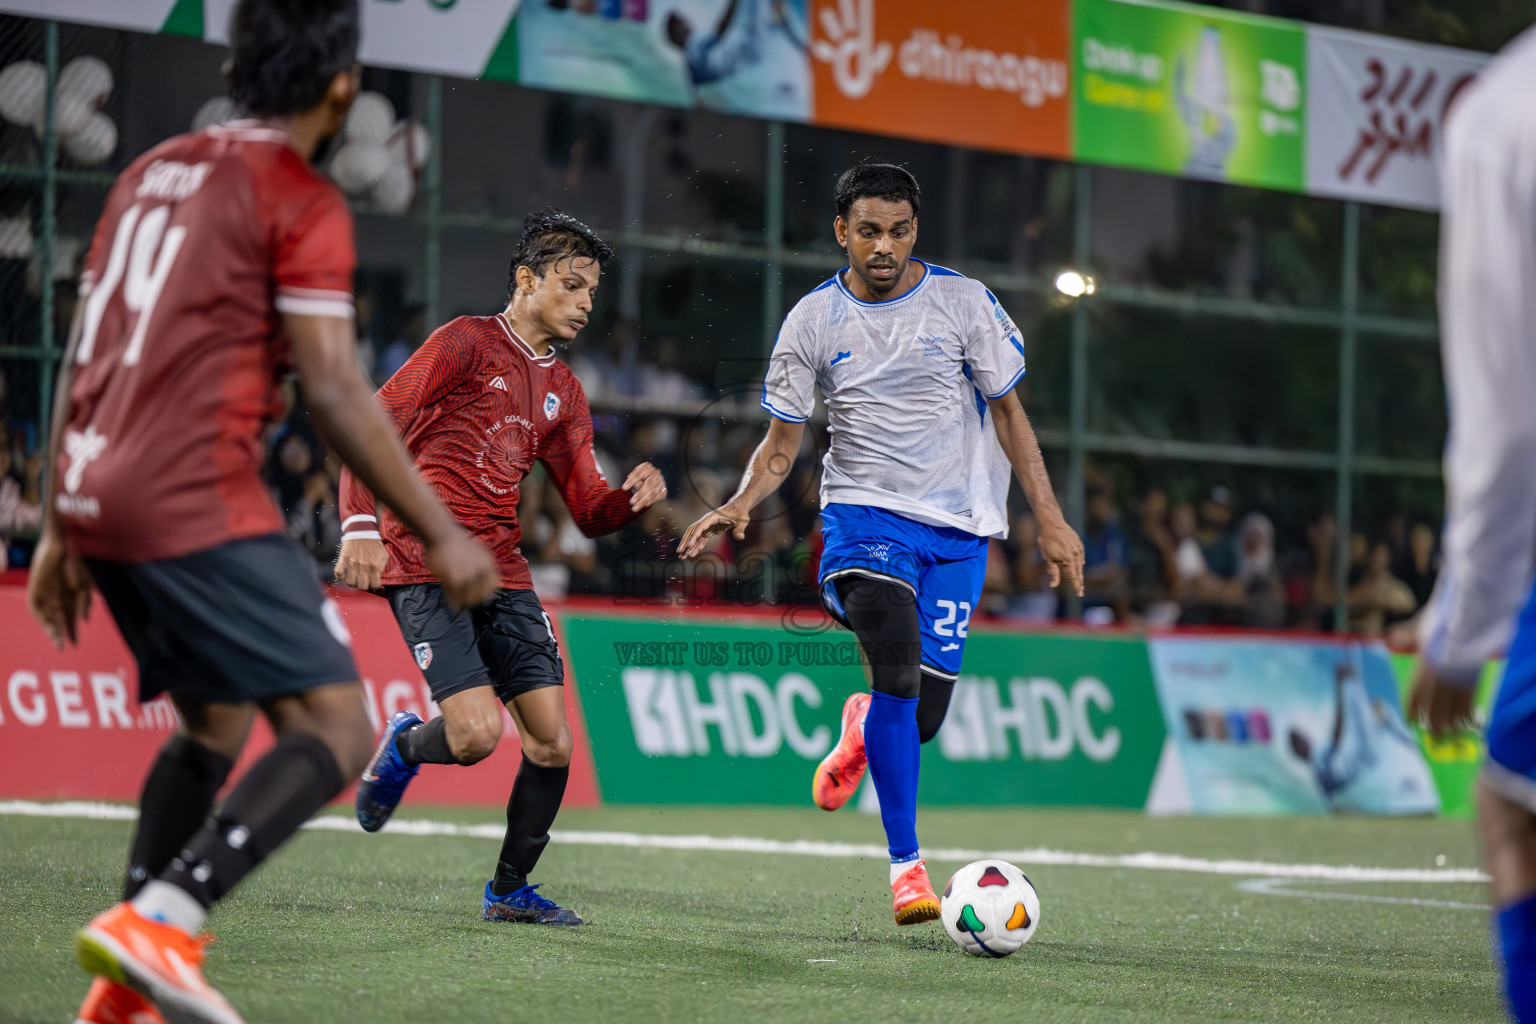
point(917, 365)
point(1488, 321)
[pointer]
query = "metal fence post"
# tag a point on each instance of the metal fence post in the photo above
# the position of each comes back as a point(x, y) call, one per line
point(47, 226)
point(1348, 340)
point(773, 231)
point(1082, 242)
point(432, 287)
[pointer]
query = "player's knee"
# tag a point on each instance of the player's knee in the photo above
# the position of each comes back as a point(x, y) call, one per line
point(474, 742)
point(554, 753)
point(927, 725)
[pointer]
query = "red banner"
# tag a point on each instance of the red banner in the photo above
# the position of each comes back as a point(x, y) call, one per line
point(71, 725)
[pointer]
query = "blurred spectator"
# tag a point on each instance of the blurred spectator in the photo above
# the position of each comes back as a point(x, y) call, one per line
point(662, 381)
point(367, 351)
point(1105, 554)
point(1423, 564)
point(1152, 571)
point(1215, 535)
point(1379, 598)
point(1258, 577)
point(1032, 599)
point(21, 509)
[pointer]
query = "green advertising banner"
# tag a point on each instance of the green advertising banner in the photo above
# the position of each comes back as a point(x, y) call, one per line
point(1454, 761)
point(706, 710)
point(1190, 90)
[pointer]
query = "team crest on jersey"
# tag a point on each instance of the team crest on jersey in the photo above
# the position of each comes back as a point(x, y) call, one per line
point(551, 405)
point(498, 384)
point(423, 654)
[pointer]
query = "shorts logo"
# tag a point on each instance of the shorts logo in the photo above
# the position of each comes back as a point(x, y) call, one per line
point(423, 655)
point(551, 405)
point(880, 551)
point(498, 384)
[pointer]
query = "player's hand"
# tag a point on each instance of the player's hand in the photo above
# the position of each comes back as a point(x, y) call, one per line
point(717, 522)
point(466, 569)
point(58, 590)
point(1441, 707)
point(361, 563)
point(1063, 553)
point(648, 486)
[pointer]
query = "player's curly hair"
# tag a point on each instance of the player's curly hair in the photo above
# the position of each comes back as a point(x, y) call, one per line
point(876, 181)
point(284, 54)
point(550, 236)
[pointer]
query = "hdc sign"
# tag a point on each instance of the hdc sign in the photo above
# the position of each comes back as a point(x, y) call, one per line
point(989, 73)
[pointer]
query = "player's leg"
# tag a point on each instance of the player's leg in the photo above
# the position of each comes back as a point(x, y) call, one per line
point(948, 589)
point(256, 628)
point(933, 704)
point(518, 643)
point(1506, 812)
point(444, 645)
point(883, 616)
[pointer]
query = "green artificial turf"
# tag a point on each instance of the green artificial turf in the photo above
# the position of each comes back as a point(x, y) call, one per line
point(341, 928)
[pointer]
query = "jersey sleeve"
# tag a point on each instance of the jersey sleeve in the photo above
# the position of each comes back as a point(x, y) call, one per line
point(448, 359)
point(789, 389)
point(994, 350)
point(315, 257)
point(572, 464)
point(1488, 319)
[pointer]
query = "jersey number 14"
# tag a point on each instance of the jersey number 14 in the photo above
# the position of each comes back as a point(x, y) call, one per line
point(143, 251)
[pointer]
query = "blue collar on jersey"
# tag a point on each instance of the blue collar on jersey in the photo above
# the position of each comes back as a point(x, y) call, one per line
point(928, 272)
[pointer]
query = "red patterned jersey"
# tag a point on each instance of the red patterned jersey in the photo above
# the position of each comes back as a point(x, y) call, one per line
point(205, 240)
point(476, 407)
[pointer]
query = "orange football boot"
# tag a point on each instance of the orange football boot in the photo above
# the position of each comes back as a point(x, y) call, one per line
point(158, 961)
point(837, 777)
point(110, 1003)
point(915, 899)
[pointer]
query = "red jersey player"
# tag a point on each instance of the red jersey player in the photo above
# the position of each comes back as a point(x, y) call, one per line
point(477, 404)
point(220, 258)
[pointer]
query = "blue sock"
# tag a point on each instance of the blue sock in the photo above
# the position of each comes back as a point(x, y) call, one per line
point(891, 742)
point(1517, 946)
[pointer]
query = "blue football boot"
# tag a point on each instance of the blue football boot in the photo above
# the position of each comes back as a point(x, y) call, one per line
point(384, 780)
point(527, 907)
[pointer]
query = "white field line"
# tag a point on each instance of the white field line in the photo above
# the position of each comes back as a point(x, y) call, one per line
point(1281, 887)
point(824, 849)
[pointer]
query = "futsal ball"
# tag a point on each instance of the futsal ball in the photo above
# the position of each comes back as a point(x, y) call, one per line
point(990, 908)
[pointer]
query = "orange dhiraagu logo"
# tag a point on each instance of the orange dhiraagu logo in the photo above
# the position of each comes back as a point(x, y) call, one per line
point(985, 73)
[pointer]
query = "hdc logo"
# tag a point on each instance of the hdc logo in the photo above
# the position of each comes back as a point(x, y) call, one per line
point(749, 717)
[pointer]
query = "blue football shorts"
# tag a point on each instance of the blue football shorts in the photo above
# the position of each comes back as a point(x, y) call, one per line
point(943, 566)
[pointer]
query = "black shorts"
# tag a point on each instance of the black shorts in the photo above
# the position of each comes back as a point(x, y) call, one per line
point(244, 621)
point(507, 643)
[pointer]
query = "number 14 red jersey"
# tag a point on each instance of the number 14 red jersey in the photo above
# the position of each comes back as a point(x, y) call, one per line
point(205, 240)
point(476, 407)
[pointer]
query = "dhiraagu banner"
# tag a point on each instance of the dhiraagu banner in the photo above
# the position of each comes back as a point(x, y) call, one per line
point(704, 710)
point(1190, 90)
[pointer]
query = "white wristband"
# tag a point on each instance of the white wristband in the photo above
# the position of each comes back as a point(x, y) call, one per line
point(358, 519)
point(360, 535)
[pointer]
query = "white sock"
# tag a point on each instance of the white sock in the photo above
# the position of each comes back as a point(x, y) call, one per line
point(901, 867)
point(170, 904)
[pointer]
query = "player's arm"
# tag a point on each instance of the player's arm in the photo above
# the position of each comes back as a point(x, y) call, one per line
point(1059, 543)
point(58, 588)
point(356, 427)
point(770, 464)
point(572, 464)
point(1487, 320)
point(446, 360)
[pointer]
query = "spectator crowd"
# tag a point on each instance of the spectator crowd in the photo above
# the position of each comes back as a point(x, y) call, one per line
point(1159, 561)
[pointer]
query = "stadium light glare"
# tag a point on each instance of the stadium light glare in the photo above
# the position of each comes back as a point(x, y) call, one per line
point(1073, 284)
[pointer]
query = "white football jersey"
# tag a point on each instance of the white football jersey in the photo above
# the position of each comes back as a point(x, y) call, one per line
point(906, 383)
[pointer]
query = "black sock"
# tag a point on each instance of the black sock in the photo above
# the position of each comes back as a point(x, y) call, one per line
point(932, 705)
point(531, 809)
point(426, 743)
point(178, 793)
point(278, 794)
